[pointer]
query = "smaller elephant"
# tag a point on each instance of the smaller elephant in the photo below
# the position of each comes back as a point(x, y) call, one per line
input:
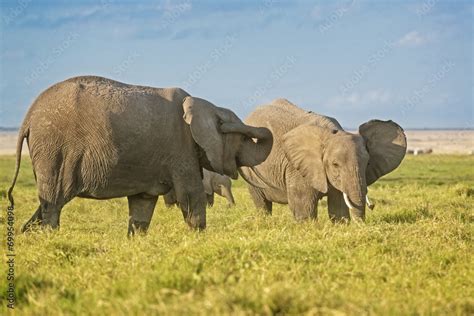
point(213, 183)
point(313, 157)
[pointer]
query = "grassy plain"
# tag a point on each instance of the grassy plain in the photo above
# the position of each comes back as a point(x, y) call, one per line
point(413, 256)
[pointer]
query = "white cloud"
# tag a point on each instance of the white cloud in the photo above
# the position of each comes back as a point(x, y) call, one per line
point(412, 38)
point(360, 99)
point(108, 10)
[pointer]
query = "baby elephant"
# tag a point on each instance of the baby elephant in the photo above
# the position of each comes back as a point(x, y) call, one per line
point(213, 183)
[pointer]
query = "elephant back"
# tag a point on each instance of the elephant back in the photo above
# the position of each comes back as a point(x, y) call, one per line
point(281, 116)
point(98, 123)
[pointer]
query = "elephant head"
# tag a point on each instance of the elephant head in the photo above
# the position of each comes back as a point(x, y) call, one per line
point(347, 162)
point(226, 141)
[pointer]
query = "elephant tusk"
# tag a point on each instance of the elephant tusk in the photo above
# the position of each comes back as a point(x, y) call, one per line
point(348, 203)
point(369, 204)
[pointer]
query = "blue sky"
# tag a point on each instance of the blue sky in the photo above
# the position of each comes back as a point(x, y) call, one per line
point(409, 61)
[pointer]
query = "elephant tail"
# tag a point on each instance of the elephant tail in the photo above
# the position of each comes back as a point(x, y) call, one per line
point(22, 134)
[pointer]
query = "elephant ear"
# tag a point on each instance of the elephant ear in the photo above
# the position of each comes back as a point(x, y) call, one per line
point(203, 120)
point(386, 143)
point(303, 146)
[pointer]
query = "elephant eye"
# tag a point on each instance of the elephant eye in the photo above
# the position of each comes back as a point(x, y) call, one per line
point(335, 164)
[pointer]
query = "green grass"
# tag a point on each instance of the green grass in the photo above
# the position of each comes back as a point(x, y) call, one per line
point(413, 256)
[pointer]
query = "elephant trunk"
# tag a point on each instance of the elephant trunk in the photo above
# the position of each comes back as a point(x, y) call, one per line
point(356, 209)
point(227, 193)
point(251, 152)
point(355, 194)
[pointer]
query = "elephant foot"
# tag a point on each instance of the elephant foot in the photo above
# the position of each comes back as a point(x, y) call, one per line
point(196, 225)
point(38, 226)
point(35, 221)
point(339, 220)
point(31, 225)
point(139, 227)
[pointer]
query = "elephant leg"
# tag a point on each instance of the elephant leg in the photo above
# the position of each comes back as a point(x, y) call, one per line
point(259, 200)
point(191, 199)
point(50, 213)
point(210, 199)
point(337, 208)
point(37, 218)
point(52, 201)
point(227, 193)
point(56, 187)
point(302, 198)
point(140, 210)
point(170, 198)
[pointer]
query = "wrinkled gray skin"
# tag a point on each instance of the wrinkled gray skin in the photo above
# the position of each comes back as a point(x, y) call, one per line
point(312, 157)
point(213, 183)
point(97, 138)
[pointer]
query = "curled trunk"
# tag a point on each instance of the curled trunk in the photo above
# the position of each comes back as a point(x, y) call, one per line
point(256, 146)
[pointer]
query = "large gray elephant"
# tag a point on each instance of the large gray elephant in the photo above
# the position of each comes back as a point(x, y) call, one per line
point(97, 138)
point(312, 157)
point(213, 183)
